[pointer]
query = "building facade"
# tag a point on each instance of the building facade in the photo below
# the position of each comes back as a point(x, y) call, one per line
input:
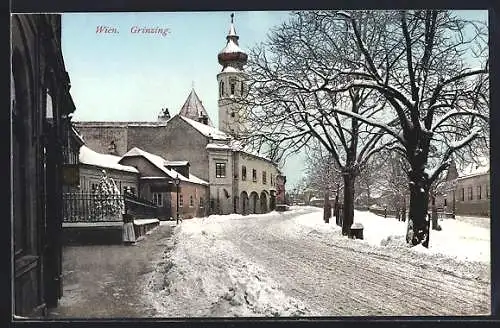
point(467, 192)
point(240, 181)
point(40, 120)
point(157, 182)
point(91, 167)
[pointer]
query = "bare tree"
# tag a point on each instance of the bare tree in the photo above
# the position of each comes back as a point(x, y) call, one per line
point(290, 105)
point(431, 67)
point(392, 181)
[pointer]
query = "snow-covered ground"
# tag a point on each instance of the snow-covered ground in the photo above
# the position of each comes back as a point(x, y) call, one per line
point(293, 264)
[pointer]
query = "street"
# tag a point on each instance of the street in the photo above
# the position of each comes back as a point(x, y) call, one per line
point(267, 265)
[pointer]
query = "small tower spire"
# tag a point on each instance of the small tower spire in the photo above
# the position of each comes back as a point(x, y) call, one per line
point(232, 55)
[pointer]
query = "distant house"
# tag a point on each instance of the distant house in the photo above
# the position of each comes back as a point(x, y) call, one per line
point(157, 183)
point(93, 163)
point(467, 190)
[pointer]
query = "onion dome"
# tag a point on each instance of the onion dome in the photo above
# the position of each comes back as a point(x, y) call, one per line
point(232, 55)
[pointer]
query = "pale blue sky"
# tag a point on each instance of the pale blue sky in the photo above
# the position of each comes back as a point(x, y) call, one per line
point(130, 77)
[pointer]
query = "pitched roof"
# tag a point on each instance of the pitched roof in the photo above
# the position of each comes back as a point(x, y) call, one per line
point(90, 157)
point(160, 163)
point(481, 166)
point(193, 108)
point(206, 130)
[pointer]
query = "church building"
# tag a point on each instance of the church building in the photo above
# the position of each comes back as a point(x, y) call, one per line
point(240, 181)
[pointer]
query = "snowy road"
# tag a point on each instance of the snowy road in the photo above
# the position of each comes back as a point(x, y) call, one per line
point(272, 265)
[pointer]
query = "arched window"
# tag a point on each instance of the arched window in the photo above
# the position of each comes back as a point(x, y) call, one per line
point(221, 88)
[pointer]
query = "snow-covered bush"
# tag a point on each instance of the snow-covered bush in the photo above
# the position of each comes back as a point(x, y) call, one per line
point(108, 202)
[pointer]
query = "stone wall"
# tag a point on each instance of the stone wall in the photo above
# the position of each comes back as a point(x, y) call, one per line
point(99, 136)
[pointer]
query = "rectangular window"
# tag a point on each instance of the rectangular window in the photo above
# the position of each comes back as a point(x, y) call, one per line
point(242, 88)
point(181, 200)
point(220, 170)
point(243, 173)
point(462, 196)
point(201, 202)
point(479, 192)
point(254, 175)
point(487, 191)
point(469, 192)
point(157, 199)
point(272, 180)
point(445, 202)
point(264, 177)
point(232, 88)
point(191, 201)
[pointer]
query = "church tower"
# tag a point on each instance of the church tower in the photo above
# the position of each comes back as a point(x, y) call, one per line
point(231, 84)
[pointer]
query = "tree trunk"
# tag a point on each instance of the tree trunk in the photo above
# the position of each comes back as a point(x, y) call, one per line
point(336, 209)
point(327, 212)
point(418, 223)
point(348, 211)
point(434, 215)
point(403, 216)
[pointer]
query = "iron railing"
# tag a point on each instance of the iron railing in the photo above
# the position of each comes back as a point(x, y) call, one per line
point(89, 207)
point(142, 208)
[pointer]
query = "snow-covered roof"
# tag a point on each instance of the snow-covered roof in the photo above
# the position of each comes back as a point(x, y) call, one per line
point(160, 163)
point(235, 146)
point(481, 167)
point(119, 124)
point(231, 47)
point(206, 130)
point(90, 157)
point(176, 163)
point(218, 146)
point(230, 69)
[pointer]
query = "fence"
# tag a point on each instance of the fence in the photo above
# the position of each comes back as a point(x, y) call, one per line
point(142, 208)
point(89, 207)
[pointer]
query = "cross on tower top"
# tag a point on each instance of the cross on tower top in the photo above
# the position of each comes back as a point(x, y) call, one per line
point(232, 16)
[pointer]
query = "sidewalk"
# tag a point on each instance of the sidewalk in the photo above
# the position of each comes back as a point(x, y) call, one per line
point(106, 281)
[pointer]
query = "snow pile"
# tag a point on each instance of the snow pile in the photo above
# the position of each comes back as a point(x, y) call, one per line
point(460, 240)
point(207, 275)
point(457, 239)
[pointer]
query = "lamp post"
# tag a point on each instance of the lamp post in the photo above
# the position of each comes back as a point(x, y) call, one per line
point(177, 181)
